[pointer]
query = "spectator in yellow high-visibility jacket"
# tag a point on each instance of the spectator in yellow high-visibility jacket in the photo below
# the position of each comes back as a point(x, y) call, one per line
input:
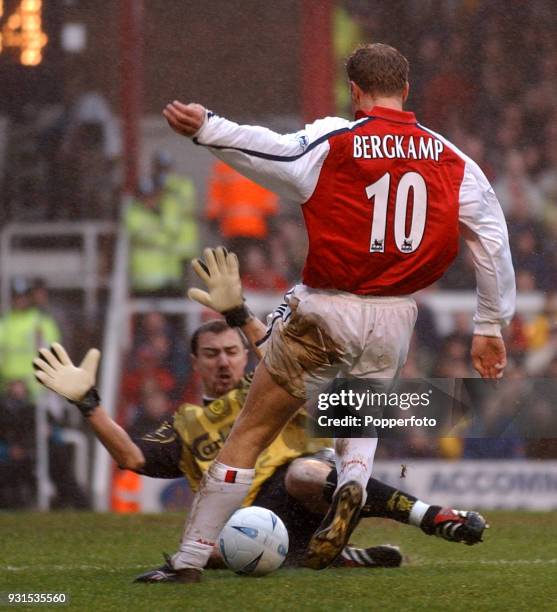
point(23, 330)
point(163, 231)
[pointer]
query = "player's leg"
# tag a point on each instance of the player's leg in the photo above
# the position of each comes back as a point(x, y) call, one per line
point(384, 501)
point(312, 481)
point(301, 521)
point(354, 463)
point(223, 487)
point(302, 505)
point(389, 323)
point(353, 458)
point(309, 485)
point(162, 452)
point(267, 409)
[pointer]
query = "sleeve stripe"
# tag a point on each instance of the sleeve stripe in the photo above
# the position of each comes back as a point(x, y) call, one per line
point(286, 158)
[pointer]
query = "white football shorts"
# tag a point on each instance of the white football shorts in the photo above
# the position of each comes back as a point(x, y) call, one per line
point(317, 335)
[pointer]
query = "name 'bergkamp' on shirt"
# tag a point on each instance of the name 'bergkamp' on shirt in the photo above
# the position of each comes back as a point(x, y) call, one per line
point(396, 146)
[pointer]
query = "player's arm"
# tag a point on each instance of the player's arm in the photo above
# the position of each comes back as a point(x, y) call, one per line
point(116, 440)
point(285, 164)
point(55, 371)
point(484, 229)
point(221, 274)
point(255, 330)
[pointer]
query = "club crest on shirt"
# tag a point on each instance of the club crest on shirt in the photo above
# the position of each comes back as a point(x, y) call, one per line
point(218, 409)
point(303, 141)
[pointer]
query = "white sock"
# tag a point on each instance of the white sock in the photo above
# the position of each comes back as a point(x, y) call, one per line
point(354, 460)
point(417, 513)
point(222, 490)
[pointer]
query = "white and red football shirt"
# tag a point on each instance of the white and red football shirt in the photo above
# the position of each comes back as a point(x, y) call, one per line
point(384, 201)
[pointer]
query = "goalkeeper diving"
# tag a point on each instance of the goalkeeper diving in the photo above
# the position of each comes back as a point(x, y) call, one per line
point(295, 475)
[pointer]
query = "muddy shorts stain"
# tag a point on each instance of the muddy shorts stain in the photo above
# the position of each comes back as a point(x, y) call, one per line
point(299, 350)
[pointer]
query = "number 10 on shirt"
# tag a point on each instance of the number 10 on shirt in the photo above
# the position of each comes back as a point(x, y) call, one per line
point(406, 243)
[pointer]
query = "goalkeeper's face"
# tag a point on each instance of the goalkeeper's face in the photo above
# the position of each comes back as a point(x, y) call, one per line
point(221, 361)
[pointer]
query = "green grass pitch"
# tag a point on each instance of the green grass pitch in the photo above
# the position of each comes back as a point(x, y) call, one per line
point(94, 559)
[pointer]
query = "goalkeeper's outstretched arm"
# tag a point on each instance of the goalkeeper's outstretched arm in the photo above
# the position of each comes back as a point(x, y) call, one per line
point(116, 440)
point(55, 371)
point(220, 272)
point(254, 330)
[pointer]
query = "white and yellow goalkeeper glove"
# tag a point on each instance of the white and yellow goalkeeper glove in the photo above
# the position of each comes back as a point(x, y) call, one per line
point(221, 274)
point(55, 371)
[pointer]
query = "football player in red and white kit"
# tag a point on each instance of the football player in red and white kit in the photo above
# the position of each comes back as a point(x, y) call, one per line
point(384, 200)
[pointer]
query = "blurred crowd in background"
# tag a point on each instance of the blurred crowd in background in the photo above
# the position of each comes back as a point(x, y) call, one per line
point(485, 81)
point(484, 74)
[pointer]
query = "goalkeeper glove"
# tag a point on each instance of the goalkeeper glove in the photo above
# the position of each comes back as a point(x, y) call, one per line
point(221, 274)
point(55, 371)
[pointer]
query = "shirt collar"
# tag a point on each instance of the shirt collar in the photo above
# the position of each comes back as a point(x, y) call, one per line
point(390, 114)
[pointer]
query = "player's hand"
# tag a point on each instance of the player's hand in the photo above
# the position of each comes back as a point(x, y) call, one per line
point(489, 356)
point(186, 119)
point(221, 274)
point(55, 370)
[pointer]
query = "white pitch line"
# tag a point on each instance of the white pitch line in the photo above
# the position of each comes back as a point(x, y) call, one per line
point(416, 563)
point(486, 562)
point(65, 568)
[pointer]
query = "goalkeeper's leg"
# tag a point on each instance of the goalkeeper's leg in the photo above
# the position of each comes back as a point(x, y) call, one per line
point(312, 482)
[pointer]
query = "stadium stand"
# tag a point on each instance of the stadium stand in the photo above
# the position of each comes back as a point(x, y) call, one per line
point(501, 109)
